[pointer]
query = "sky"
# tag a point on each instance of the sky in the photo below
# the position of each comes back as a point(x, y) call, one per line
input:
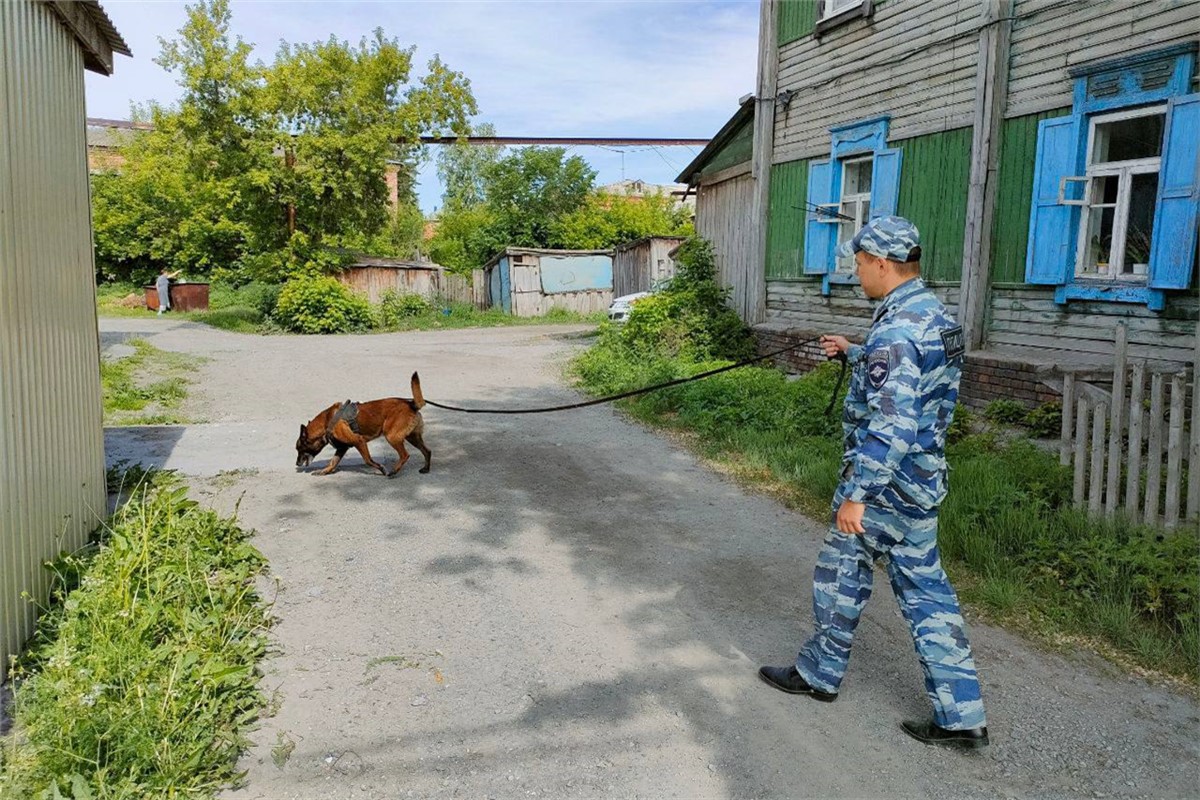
point(649, 68)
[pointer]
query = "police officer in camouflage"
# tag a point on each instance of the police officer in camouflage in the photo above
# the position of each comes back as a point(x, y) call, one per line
point(903, 389)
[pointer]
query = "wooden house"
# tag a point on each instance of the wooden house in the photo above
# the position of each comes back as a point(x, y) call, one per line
point(1046, 150)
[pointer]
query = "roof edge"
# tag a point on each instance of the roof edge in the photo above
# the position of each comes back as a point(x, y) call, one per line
point(745, 111)
point(94, 32)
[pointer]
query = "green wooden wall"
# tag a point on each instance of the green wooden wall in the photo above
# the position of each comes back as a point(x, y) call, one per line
point(796, 19)
point(736, 151)
point(1014, 194)
point(933, 194)
point(935, 171)
point(785, 220)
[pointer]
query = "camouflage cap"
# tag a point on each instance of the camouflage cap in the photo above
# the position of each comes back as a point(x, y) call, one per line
point(893, 238)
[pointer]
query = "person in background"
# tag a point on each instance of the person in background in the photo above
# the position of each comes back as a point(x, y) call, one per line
point(162, 285)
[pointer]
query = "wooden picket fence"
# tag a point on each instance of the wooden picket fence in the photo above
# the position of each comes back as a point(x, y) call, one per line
point(1112, 435)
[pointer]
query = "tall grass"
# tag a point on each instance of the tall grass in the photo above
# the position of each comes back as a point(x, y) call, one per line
point(141, 681)
point(1007, 528)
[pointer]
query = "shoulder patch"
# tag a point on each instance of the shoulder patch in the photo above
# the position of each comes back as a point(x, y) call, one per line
point(954, 342)
point(878, 366)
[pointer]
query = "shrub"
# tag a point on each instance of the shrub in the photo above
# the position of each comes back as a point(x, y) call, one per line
point(1045, 421)
point(395, 306)
point(1006, 411)
point(321, 305)
point(690, 318)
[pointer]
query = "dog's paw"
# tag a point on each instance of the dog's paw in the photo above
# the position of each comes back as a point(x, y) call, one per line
point(423, 470)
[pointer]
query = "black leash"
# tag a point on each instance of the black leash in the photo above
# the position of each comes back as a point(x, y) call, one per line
point(654, 388)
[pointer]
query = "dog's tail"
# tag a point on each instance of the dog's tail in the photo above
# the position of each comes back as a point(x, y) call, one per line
point(418, 398)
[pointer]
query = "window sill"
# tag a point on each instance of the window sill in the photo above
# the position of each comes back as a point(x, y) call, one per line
point(1110, 292)
point(837, 279)
point(863, 11)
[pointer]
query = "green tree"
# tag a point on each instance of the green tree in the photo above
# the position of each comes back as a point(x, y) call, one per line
point(516, 199)
point(342, 112)
point(530, 190)
point(609, 220)
point(462, 168)
point(260, 167)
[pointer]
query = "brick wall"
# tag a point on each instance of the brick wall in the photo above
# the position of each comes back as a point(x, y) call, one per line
point(984, 378)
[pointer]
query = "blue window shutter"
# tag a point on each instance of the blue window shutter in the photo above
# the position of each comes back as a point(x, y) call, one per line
point(885, 182)
point(819, 236)
point(1178, 210)
point(1053, 227)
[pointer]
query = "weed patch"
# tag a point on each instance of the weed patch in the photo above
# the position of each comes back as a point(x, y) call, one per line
point(141, 679)
point(146, 387)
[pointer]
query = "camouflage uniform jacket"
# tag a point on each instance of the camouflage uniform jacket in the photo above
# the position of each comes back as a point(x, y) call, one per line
point(903, 390)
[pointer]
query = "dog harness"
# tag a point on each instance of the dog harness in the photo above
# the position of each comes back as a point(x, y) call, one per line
point(348, 413)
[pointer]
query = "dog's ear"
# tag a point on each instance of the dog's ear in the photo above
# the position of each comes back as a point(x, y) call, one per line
point(303, 429)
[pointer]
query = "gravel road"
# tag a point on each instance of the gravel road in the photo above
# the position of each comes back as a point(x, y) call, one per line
point(571, 606)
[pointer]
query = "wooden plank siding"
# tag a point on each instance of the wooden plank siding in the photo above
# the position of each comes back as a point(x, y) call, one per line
point(1014, 194)
point(892, 63)
point(799, 304)
point(934, 175)
point(724, 216)
point(1049, 37)
point(1028, 317)
point(736, 151)
point(372, 282)
point(785, 220)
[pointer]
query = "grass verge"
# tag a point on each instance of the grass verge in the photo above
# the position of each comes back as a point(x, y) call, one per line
point(1012, 543)
point(141, 680)
point(146, 387)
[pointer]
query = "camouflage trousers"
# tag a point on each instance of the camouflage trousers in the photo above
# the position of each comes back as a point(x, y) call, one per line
point(842, 585)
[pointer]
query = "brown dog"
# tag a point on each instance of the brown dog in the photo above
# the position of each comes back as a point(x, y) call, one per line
point(346, 425)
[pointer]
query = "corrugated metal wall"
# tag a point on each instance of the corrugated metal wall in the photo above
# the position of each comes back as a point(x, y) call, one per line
point(51, 440)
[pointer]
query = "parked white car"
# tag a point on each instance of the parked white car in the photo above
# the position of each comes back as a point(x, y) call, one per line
point(621, 306)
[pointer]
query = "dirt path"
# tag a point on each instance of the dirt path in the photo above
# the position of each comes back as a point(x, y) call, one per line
point(570, 606)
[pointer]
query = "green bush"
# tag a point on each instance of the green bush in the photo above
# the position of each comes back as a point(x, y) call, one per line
point(1045, 421)
point(321, 305)
point(1007, 411)
point(141, 680)
point(690, 318)
point(395, 307)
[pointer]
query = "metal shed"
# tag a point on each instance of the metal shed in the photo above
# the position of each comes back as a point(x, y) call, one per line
point(528, 282)
point(639, 265)
point(52, 488)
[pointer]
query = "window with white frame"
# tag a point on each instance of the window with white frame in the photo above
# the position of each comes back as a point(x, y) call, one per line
point(855, 204)
point(834, 7)
point(1124, 156)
